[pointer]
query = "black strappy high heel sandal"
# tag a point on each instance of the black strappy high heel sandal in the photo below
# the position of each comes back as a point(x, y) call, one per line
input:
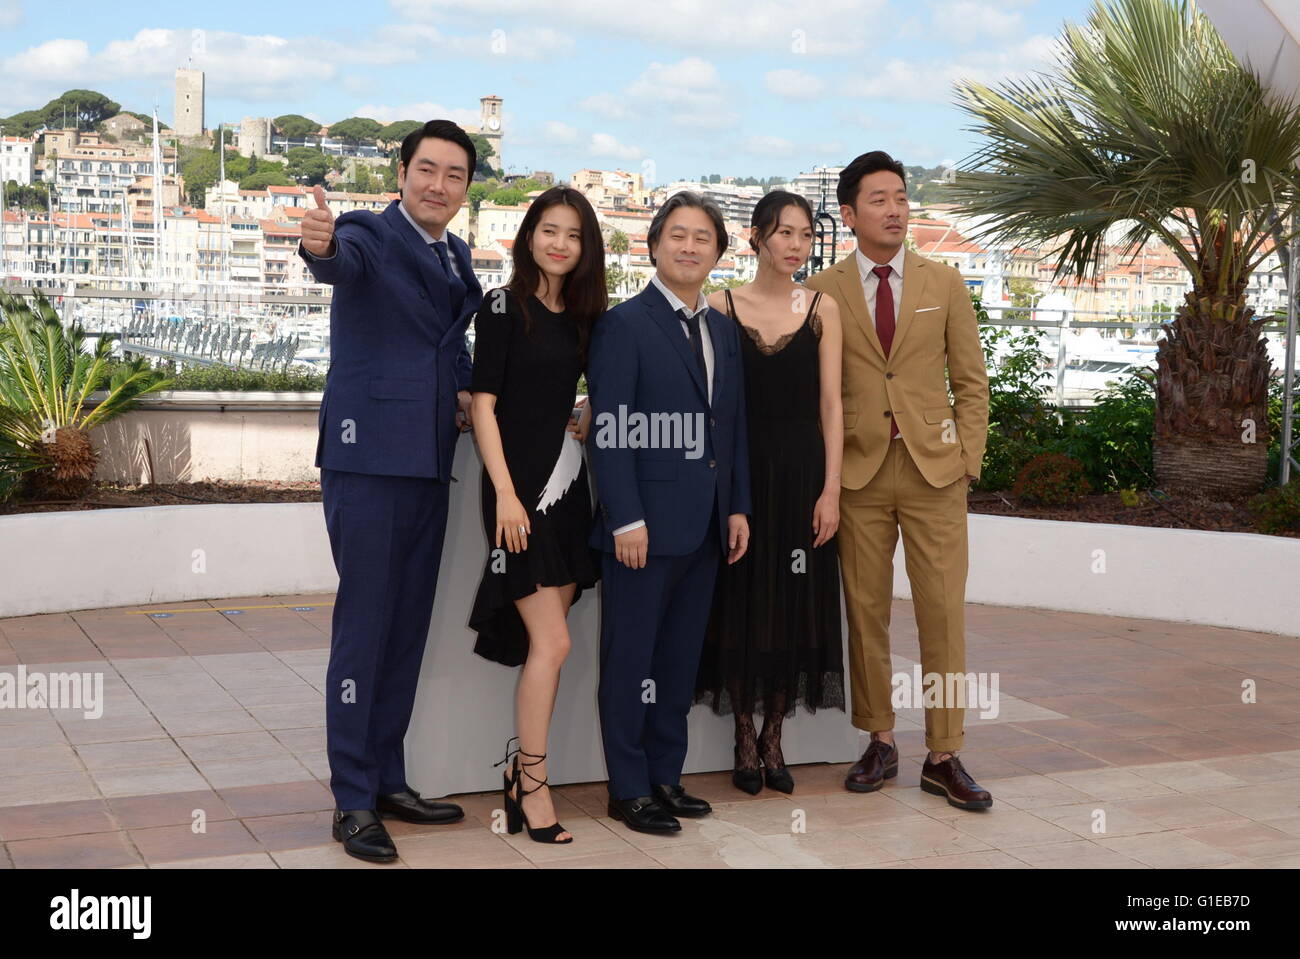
point(516, 818)
point(509, 776)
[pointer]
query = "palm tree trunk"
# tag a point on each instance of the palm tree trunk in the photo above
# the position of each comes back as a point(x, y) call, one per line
point(1212, 373)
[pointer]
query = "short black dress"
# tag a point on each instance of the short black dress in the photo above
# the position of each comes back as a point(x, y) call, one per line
point(774, 636)
point(534, 375)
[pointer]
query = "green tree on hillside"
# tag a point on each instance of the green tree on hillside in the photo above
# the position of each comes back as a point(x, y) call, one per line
point(354, 129)
point(295, 125)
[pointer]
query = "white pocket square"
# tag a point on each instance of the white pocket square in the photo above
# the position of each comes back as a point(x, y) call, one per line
point(927, 309)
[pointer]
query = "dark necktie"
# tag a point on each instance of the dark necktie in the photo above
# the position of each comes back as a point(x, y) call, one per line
point(885, 322)
point(455, 287)
point(697, 343)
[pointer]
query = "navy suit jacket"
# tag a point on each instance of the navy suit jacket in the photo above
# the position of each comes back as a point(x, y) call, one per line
point(397, 354)
point(641, 360)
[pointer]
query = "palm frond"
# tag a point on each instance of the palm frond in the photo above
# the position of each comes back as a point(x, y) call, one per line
point(1146, 121)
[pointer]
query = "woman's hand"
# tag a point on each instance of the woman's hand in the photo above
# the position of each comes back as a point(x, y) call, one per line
point(579, 426)
point(513, 524)
point(826, 516)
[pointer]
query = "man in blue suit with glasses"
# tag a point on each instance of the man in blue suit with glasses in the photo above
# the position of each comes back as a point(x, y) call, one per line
point(395, 400)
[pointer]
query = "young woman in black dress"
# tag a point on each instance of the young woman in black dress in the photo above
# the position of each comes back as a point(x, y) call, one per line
point(774, 639)
point(530, 345)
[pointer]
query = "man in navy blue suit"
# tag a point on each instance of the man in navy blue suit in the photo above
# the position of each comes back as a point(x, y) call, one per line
point(670, 456)
point(395, 400)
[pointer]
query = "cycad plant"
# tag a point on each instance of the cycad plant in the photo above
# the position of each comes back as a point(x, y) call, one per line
point(46, 377)
point(1147, 127)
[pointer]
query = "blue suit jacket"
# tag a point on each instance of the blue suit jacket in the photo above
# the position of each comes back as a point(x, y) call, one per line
point(641, 360)
point(397, 354)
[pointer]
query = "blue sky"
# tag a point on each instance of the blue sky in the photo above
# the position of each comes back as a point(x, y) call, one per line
point(670, 88)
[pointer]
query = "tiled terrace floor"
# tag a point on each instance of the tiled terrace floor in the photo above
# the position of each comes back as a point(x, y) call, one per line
point(1142, 720)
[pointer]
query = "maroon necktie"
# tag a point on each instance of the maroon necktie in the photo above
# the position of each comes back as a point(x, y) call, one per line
point(885, 322)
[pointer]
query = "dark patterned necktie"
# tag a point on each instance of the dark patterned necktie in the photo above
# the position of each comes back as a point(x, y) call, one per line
point(697, 343)
point(456, 287)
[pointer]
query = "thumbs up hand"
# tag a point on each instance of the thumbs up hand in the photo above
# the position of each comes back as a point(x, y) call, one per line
point(318, 226)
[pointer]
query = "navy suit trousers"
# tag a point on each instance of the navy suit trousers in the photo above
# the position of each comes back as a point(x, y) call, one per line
point(386, 534)
point(652, 628)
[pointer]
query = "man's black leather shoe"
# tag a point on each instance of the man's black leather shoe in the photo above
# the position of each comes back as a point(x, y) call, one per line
point(675, 800)
point(410, 806)
point(363, 835)
point(643, 814)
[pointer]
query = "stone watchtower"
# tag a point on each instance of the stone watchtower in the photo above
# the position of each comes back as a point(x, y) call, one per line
point(188, 118)
point(490, 119)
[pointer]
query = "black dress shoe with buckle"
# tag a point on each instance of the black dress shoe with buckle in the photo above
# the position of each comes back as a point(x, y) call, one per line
point(410, 806)
point(675, 800)
point(363, 835)
point(643, 814)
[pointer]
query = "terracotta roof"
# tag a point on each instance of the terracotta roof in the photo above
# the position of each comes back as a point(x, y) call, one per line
point(280, 229)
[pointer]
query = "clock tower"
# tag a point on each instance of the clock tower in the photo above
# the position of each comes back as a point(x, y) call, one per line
point(490, 128)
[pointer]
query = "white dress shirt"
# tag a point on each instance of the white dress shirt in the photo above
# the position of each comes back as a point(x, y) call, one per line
point(701, 307)
point(424, 235)
point(871, 284)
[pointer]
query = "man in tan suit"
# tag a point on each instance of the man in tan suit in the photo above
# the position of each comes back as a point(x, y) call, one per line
point(909, 458)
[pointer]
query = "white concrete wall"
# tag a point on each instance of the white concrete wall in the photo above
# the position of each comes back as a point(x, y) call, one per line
point(193, 436)
point(464, 714)
point(53, 562)
point(1236, 580)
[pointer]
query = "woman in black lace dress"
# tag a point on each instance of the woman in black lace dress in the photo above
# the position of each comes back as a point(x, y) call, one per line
point(774, 640)
point(530, 345)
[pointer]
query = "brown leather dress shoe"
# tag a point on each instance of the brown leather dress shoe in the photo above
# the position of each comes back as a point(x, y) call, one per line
point(878, 763)
point(949, 778)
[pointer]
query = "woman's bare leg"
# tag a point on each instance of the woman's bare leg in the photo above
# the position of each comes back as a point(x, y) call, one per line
point(545, 616)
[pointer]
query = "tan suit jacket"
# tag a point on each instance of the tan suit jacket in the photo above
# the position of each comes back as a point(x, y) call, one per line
point(936, 329)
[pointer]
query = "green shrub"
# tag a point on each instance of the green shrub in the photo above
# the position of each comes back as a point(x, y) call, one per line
point(1275, 428)
point(1052, 479)
point(1114, 439)
point(293, 380)
point(1277, 510)
point(1021, 423)
point(46, 376)
point(245, 379)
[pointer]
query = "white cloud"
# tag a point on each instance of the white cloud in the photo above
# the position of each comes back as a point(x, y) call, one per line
point(768, 146)
point(55, 57)
point(687, 93)
point(407, 42)
point(237, 65)
point(560, 134)
point(422, 111)
point(358, 84)
point(252, 67)
point(607, 105)
point(966, 21)
point(793, 84)
point(932, 80)
point(778, 27)
point(606, 145)
point(11, 13)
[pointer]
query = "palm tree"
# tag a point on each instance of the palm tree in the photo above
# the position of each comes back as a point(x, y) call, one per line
point(1149, 127)
point(46, 379)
